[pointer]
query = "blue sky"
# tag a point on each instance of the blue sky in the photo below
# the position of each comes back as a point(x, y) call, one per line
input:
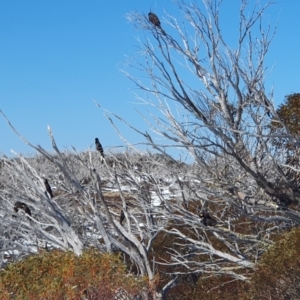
point(57, 57)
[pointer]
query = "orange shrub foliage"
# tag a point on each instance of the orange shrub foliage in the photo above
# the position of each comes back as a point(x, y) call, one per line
point(63, 275)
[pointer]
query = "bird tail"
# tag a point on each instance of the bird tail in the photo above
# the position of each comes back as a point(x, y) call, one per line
point(162, 31)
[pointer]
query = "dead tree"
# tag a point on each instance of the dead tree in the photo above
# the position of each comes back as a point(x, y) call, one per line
point(225, 129)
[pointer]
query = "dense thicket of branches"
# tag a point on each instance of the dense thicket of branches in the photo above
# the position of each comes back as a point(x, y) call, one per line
point(235, 174)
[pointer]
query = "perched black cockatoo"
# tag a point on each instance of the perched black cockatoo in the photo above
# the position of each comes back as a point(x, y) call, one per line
point(206, 219)
point(48, 187)
point(122, 215)
point(99, 148)
point(155, 21)
point(23, 206)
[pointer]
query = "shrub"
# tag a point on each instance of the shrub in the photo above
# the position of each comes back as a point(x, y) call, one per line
point(63, 275)
point(278, 272)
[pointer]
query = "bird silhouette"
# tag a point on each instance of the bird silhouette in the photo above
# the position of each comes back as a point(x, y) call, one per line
point(21, 205)
point(122, 215)
point(48, 187)
point(155, 21)
point(99, 148)
point(206, 219)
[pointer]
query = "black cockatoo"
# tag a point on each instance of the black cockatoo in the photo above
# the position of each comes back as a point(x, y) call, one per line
point(23, 206)
point(155, 21)
point(206, 219)
point(48, 187)
point(99, 148)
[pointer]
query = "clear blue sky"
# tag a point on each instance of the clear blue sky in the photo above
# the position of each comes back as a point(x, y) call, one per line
point(56, 57)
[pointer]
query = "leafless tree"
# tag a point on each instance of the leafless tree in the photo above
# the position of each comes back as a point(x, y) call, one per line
point(227, 105)
point(87, 198)
point(212, 103)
